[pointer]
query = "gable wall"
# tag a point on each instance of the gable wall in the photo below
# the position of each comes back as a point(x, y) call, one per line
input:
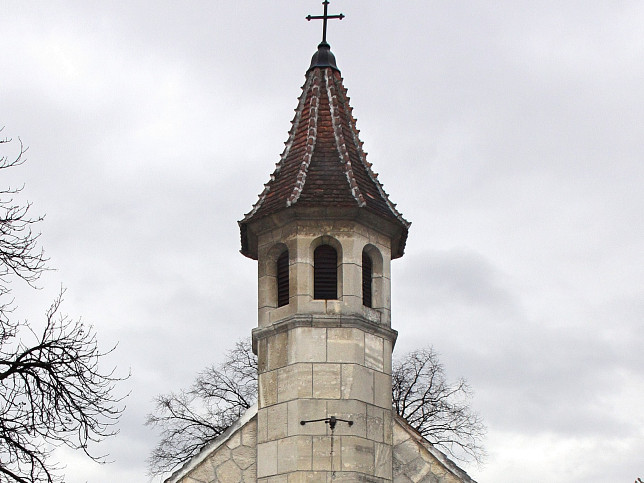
point(232, 462)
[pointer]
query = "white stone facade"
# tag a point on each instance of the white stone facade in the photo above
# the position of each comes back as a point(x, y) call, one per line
point(233, 458)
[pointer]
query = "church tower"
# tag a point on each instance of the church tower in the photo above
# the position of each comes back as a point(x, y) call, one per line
point(324, 233)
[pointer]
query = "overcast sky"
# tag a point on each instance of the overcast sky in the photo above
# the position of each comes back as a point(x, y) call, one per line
point(511, 133)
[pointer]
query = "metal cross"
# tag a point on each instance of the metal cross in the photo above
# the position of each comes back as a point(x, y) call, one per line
point(324, 19)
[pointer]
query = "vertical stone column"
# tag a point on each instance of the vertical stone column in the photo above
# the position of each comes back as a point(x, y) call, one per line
point(313, 369)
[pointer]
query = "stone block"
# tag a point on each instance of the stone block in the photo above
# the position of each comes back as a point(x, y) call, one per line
point(249, 434)
point(262, 355)
point(267, 389)
point(375, 423)
point(294, 381)
point(374, 352)
point(345, 345)
point(387, 352)
point(205, 472)
point(357, 454)
point(352, 279)
point(262, 426)
point(306, 344)
point(267, 292)
point(382, 389)
point(350, 410)
point(358, 383)
point(229, 472)
point(322, 453)
point(277, 423)
point(244, 456)
point(250, 474)
point(266, 459)
point(383, 462)
point(295, 454)
point(306, 410)
point(326, 381)
point(388, 425)
point(277, 351)
point(406, 451)
point(307, 477)
point(234, 440)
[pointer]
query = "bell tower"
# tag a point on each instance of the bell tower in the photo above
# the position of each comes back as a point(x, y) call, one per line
point(324, 233)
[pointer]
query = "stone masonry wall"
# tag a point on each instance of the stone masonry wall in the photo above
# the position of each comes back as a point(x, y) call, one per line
point(314, 372)
point(232, 462)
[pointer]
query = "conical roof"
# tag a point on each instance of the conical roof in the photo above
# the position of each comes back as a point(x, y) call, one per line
point(323, 163)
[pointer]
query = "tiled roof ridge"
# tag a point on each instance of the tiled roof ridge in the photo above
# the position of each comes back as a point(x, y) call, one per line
point(363, 159)
point(311, 138)
point(287, 148)
point(336, 121)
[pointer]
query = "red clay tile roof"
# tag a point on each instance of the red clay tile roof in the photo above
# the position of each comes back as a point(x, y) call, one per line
point(323, 163)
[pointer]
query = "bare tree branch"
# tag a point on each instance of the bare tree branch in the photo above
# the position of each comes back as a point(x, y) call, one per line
point(438, 410)
point(52, 391)
point(191, 418)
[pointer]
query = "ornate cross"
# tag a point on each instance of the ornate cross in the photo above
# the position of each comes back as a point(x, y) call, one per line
point(324, 19)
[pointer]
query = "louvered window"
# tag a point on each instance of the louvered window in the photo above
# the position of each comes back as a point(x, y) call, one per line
point(367, 277)
point(325, 273)
point(282, 279)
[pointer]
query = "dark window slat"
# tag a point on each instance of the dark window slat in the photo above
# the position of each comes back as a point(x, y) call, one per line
point(325, 273)
point(282, 279)
point(367, 279)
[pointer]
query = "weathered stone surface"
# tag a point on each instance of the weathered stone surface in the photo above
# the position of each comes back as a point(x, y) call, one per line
point(306, 344)
point(249, 433)
point(308, 477)
point(375, 423)
point(382, 389)
point(357, 455)
point(267, 459)
point(267, 388)
point(277, 421)
point(345, 345)
point(306, 410)
point(357, 383)
point(244, 456)
point(228, 472)
point(234, 440)
point(295, 454)
point(294, 381)
point(383, 461)
point(277, 351)
point(373, 352)
point(326, 381)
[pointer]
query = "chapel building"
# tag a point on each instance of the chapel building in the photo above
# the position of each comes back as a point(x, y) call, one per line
point(324, 233)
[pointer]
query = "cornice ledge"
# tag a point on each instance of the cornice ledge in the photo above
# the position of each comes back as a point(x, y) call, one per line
point(324, 321)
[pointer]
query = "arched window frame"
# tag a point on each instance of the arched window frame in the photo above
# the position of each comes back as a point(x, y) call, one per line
point(377, 277)
point(325, 272)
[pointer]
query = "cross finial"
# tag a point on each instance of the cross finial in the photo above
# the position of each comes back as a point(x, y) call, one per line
point(324, 19)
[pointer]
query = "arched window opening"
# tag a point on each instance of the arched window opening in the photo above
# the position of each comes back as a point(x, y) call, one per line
point(367, 279)
point(325, 273)
point(282, 279)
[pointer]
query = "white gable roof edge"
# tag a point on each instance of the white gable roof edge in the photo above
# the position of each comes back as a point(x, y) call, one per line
point(435, 452)
point(209, 448)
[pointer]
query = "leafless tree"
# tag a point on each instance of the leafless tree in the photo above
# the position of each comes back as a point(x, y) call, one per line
point(190, 419)
point(439, 410)
point(52, 391)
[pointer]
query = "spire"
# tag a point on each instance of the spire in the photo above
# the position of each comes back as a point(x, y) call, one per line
point(323, 164)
